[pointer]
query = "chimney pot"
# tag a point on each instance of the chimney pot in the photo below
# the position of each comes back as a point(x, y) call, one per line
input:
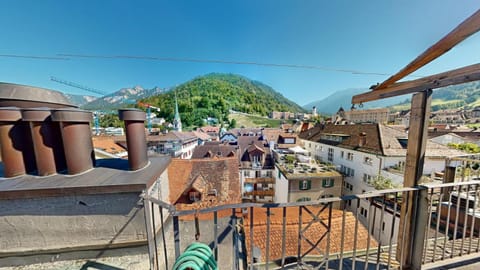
point(16, 143)
point(47, 144)
point(136, 137)
point(362, 139)
point(77, 138)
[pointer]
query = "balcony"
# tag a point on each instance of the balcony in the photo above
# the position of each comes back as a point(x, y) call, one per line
point(367, 232)
point(261, 193)
point(260, 180)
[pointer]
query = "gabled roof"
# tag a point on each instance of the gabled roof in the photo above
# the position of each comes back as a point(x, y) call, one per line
point(379, 139)
point(107, 144)
point(209, 129)
point(202, 135)
point(215, 150)
point(255, 148)
point(221, 174)
point(173, 136)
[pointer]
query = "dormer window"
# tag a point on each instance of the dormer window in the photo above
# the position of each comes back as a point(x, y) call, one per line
point(194, 196)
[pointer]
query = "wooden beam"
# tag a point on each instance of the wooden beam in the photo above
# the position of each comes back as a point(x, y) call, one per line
point(452, 77)
point(468, 27)
point(412, 216)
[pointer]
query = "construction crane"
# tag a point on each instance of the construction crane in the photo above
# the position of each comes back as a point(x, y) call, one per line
point(149, 112)
point(96, 114)
point(77, 85)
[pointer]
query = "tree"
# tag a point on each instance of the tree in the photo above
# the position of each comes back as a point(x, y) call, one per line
point(381, 182)
point(233, 123)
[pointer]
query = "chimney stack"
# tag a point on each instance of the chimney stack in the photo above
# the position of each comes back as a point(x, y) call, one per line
point(362, 141)
point(49, 154)
point(16, 143)
point(77, 138)
point(136, 138)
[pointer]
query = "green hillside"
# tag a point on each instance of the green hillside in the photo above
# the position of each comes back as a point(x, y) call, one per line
point(214, 95)
point(451, 97)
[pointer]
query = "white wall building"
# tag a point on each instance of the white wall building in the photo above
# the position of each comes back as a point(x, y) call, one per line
point(364, 151)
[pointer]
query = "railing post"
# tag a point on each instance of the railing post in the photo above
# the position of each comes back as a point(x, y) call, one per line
point(421, 207)
point(152, 251)
point(417, 140)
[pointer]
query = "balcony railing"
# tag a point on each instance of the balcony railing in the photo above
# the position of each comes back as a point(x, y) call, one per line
point(261, 180)
point(270, 192)
point(366, 232)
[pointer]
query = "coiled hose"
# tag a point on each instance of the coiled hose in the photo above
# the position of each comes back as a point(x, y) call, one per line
point(196, 256)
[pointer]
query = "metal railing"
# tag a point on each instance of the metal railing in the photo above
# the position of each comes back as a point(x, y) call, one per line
point(360, 234)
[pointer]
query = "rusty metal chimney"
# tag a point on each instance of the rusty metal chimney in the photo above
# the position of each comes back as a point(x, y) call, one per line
point(77, 138)
point(47, 143)
point(136, 137)
point(15, 143)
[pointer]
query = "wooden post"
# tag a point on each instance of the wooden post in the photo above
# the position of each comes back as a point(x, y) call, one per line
point(412, 217)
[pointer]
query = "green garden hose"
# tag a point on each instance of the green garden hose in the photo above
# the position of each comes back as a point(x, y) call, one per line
point(196, 256)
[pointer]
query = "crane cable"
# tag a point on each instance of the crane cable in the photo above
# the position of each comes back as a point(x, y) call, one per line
point(197, 256)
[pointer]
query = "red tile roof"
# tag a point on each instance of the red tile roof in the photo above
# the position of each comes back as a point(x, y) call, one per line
point(107, 144)
point(220, 174)
point(313, 233)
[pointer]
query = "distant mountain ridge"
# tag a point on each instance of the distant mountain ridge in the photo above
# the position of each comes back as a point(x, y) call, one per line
point(79, 100)
point(451, 97)
point(343, 98)
point(121, 98)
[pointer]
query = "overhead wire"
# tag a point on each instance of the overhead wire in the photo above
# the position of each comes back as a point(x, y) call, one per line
point(69, 56)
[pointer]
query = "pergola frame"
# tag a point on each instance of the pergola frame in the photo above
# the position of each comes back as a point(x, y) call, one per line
point(415, 211)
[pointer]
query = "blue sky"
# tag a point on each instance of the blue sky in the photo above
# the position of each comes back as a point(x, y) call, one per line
point(378, 36)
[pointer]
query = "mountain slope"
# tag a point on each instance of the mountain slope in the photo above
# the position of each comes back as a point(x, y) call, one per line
point(121, 98)
point(214, 95)
point(465, 95)
point(451, 97)
point(343, 98)
point(79, 100)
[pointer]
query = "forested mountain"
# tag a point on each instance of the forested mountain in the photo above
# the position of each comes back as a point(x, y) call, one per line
point(213, 95)
point(465, 95)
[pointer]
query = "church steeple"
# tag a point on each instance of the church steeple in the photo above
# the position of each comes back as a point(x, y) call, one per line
point(177, 123)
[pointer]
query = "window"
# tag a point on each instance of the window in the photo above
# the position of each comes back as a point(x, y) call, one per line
point(368, 160)
point(327, 182)
point(383, 226)
point(363, 212)
point(305, 185)
point(367, 178)
point(258, 174)
point(330, 154)
point(350, 156)
point(342, 154)
point(268, 174)
point(246, 173)
point(194, 196)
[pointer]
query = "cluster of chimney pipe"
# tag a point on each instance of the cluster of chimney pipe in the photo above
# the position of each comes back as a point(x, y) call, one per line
point(47, 141)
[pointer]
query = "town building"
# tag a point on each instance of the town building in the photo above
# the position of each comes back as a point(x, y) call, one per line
point(212, 131)
point(301, 178)
point(364, 153)
point(175, 144)
point(367, 116)
point(256, 169)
